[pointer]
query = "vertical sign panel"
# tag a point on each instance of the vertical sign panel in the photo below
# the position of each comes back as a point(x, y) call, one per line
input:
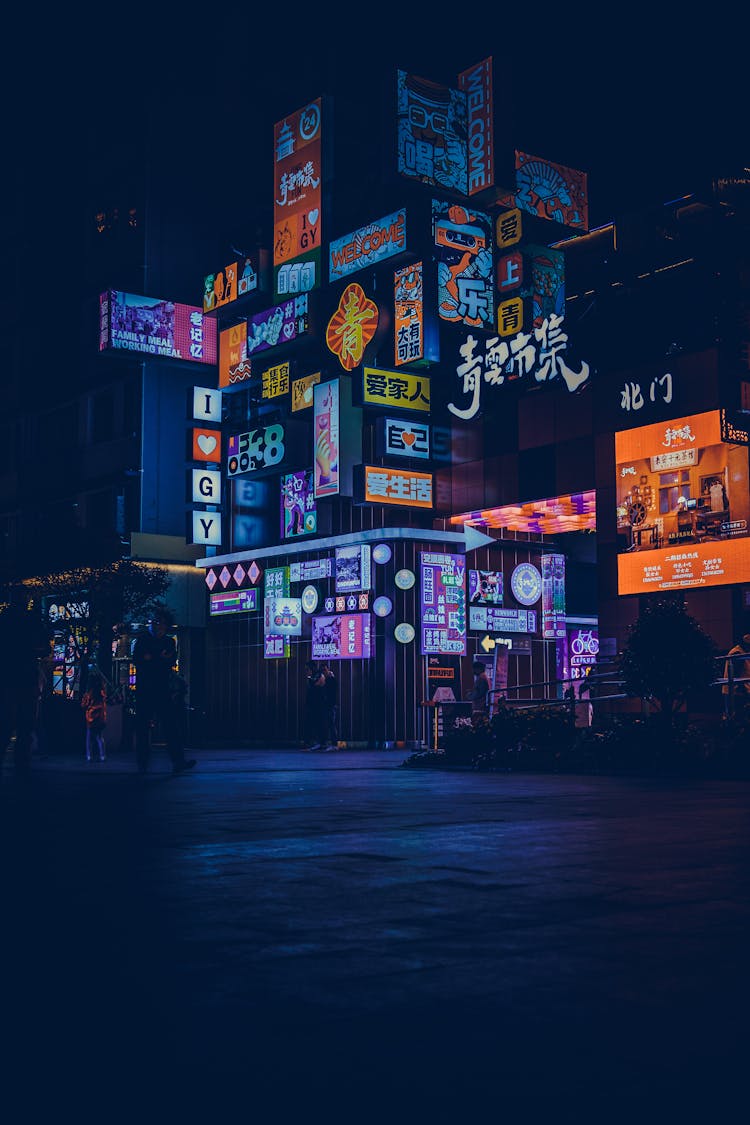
point(297, 201)
point(442, 603)
point(326, 437)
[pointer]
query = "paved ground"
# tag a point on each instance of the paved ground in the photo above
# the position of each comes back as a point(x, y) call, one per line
point(331, 935)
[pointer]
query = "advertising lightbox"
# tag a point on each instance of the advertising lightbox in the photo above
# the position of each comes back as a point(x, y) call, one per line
point(683, 506)
point(353, 568)
point(298, 191)
point(352, 326)
point(283, 324)
point(302, 391)
point(155, 327)
point(485, 587)
point(234, 366)
point(431, 132)
point(493, 619)
point(403, 439)
point(395, 390)
point(463, 250)
point(235, 280)
point(233, 601)
point(408, 314)
point(255, 450)
point(282, 617)
point(553, 596)
point(326, 438)
point(344, 636)
point(299, 514)
point(552, 191)
point(476, 84)
point(367, 246)
point(442, 603)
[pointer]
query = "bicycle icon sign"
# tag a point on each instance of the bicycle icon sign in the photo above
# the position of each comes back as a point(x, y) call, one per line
point(584, 643)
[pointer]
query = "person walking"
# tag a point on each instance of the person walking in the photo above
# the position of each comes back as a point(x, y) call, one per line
point(738, 659)
point(315, 708)
point(24, 642)
point(154, 656)
point(479, 694)
point(331, 687)
point(94, 704)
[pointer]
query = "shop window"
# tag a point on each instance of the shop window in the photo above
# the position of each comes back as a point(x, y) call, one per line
point(672, 486)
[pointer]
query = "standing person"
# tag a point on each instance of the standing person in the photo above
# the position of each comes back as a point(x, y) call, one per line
point(739, 658)
point(154, 656)
point(479, 694)
point(94, 704)
point(315, 707)
point(23, 643)
point(331, 687)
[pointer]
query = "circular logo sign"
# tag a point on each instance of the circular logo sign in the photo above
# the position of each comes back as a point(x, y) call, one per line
point(309, 599)
point(404, 633)
point(381, 553)
point(382, 606)
point(526, 584)
point(404, 579)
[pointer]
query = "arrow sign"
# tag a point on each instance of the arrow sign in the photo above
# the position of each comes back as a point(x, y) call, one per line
point(475, 538)
point(487, 642)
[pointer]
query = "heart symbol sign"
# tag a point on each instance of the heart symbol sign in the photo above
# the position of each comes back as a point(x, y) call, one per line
point(206, 444)
point(313, 216)
point(409, 438)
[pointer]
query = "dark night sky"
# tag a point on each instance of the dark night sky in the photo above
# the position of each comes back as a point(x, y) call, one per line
point(646, 104)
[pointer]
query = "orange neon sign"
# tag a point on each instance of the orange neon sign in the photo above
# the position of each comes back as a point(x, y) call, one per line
point(352, 326)
point(718, 563)
point(396, 486)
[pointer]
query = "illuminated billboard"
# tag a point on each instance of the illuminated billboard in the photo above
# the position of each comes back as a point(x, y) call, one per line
point(553, 596)
point(274, 381)
point(282, 324)
point(476, 84)
point(395, 390)
point(552, 191)
point(299, 515)
point(345, 636)
point(298, 195)
point(683, 506)
point(255, 450)
point(442, 603)
point(403, 439)
point(486, 587)
point(235, 280)
point(463, 250)
point(352, 326)
point(326, 437)
point(232, 601)
point(234, 366)
point(353, 568)
point(403, 487)
point(154, 327)
point(367, 246)
point(302, 391)
point(492, 619)
point(282, 617)
point(431, 132)
point(408, 314)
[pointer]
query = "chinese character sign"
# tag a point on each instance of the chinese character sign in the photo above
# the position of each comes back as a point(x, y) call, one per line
point(553, 596)
point(302, 391)
point(282, 617)
point(352, 326)
point(408, 314)
point(345, 636)
point(401, 390)
point(463, 249)
point(431, 132)
point(396, 486)
point(406, 439)
point(443, 603)
point(493, 361)
point(326, 437)
point(275, 381)
point(154, 327)
point(298, 178)
point(298, 509)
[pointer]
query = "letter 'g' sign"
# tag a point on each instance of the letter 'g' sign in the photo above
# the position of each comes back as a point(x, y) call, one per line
point(206, 486)
point(205, 529)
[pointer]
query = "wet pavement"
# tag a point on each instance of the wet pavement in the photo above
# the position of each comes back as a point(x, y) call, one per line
point(288, 932)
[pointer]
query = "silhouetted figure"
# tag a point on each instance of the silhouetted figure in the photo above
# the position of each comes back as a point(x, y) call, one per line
point(479, 694)
point(94, 704)
point(316, 717)
point(331, 686)
point(154, 656)
point(23, 643)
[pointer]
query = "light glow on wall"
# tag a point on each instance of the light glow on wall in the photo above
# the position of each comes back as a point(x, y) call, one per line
point(574, 512)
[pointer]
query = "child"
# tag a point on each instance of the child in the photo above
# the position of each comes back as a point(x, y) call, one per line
point(94, 704)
